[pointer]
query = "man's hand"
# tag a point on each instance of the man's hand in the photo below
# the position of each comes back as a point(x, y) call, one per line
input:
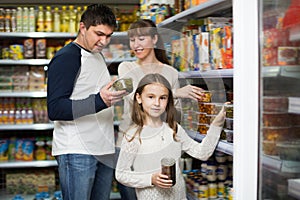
point(111, 97)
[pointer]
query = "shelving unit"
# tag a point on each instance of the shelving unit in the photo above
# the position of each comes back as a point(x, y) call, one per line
point(221, 73)
point(49, 35)
point(41, 127)
point(27, 164)
point(24, 94)
point(113, 195)
point(205, 9)
point(16, 128)
point(281, 71)
point(175, 23)
point(222, 146)
point(280, 166)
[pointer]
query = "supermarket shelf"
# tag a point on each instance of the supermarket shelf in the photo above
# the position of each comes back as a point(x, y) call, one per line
point(221, 73)
point(270, 71)
point(66, 2)
point(294, 188)
point(117, 60)
point(24, 164)
point(25, 62)
point(46, 61)
point(202, 10)
point(222, 146)
point(294, 105)
point(292, 71)
point(24, 94)
point(35, 126)
point(46, 126)
point(5, 196)
point(49, 35)
point(38, 35)
point(276, 164)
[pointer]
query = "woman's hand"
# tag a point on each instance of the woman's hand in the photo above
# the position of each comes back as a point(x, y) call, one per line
point(161, 180)
point(189, 91)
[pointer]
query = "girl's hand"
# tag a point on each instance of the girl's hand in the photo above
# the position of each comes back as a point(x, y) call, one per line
point(161, 180)
point(220, 118)
point(190, 91)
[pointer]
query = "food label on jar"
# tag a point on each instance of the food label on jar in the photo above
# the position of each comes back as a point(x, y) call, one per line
point(203, 191)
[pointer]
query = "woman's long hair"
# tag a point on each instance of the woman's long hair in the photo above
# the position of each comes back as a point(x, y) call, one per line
point(146, 27)
point(138, 115)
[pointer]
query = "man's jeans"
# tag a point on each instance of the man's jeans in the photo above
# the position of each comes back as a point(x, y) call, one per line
point(84, 177)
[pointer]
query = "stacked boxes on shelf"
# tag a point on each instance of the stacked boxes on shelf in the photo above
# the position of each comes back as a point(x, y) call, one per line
point(30, 181)
point(205, 44)
point(22, 79)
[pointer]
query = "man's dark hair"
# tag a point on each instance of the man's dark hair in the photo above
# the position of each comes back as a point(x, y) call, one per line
point(98, 14)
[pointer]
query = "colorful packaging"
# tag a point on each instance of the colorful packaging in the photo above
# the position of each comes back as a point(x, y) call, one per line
point(176, 58)
point(4, 149)
point(40, 48)
point(16, 52)
point(28, 48)
point(287, 55)
point(24, 149)
point(204, 51)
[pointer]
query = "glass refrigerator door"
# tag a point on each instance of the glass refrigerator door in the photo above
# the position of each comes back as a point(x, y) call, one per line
point(267, 99)
point(280, 100)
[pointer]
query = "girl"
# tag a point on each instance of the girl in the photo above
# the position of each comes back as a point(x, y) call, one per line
point(155, 135)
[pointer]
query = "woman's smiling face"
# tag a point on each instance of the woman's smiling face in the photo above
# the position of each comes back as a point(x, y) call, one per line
point(142, 45)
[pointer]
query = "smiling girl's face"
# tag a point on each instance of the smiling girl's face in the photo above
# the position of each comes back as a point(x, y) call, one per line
point(154, 100)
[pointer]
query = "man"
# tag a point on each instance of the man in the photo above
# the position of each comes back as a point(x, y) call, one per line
point(79, 102)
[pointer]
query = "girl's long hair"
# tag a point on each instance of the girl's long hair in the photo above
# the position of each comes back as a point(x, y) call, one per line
point(138, 115)
point(146, 27)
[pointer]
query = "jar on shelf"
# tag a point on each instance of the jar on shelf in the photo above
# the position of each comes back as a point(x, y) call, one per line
point(212, 190)
point(221, 189)
point(40, 152)
point(211, 170)
point(40, 19)
point(203, 190)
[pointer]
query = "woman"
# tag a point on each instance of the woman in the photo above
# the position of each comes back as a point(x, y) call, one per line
point(147, 45)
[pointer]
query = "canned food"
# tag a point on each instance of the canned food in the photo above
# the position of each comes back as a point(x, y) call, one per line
point(229, 110)
point(123, 84)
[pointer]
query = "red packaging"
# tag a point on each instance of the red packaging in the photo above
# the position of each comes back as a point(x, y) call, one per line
point(270, 56)
point(276, 119)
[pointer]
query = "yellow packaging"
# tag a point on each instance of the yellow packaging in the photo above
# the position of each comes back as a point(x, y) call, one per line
point(16, 52)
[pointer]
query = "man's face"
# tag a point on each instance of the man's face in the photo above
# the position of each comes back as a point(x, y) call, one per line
point(96, 37)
